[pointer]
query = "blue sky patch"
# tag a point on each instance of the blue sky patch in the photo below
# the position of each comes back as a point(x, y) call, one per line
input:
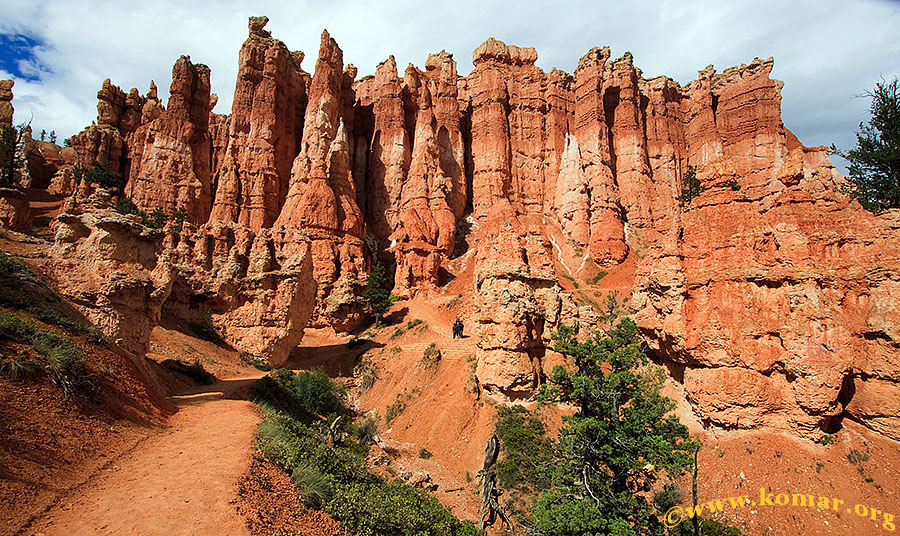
point(18, 56)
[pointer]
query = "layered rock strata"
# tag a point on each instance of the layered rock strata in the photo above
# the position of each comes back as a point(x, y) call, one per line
point(256, 145)
point(762, 280)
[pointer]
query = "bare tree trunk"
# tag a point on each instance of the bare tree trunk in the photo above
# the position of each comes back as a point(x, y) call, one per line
point(490, 507)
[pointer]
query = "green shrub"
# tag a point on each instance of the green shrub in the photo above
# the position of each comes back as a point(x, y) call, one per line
point(667, 497)
point(315, 487)
point(394, 508)
point(301, 393)
point(66, 361)
point(97, 174)
point(431, 357)
point(393, 411)
point(856, 457)
point(333, 474)
point(65, 358)
point(126, 206)
point(377, 294)
point(179, 217)
point(156, 219)
point(691, 187)
point(15, 328)
point(365, 431)
point(254, 362)
point(425, 454)
point(413, 323)
point(600, 275)
point(206, 330)
point(10, 266)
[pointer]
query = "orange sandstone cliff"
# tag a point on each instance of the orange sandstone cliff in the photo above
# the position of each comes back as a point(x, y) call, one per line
point(771, 297)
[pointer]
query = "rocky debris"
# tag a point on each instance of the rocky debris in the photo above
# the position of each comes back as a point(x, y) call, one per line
point(15, 213)
point(170, 154)
point(253, 170)
point(418, 479)
point(257, 290)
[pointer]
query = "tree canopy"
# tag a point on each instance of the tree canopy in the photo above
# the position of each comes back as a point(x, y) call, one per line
point(875, 162)
point(377, 293)
point(622, 436)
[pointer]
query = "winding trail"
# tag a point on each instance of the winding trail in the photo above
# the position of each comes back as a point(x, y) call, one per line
point(180, 481)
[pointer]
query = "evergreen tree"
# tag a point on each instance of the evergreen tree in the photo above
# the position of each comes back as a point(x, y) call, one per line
point(10, 158)
point(875, 162)
point(377, 293)
point(691, 187)
point(616, 444)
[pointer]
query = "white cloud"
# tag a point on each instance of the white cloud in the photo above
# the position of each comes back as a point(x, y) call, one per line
point(826, 51)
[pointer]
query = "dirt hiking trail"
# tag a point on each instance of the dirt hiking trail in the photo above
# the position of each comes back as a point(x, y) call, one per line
point(182, 480)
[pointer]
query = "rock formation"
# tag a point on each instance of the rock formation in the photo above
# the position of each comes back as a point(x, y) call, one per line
point(6, 107)
point(257, 290)
point(785, 315)
point(15, 213)
point(321, 198)
point(108, 266)
point(170, 154)
point(771, 296)
point(518, 303)
point(253, 170)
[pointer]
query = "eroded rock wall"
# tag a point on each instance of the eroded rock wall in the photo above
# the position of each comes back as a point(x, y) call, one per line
point(770, 283)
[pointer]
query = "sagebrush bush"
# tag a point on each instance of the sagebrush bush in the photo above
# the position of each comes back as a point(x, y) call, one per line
point(301, 393)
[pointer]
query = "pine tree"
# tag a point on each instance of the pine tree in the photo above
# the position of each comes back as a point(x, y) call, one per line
point(613, 448)
point(377, 294)
point(875, 162)
point(691, 187)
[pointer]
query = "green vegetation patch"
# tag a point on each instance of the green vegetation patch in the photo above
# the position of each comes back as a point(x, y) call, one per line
point(307, 430)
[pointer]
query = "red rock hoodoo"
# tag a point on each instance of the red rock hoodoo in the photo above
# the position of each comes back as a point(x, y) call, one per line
point(771, 297)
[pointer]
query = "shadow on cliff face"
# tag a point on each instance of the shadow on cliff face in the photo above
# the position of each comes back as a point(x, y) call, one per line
point(395, 317)
point(337, 360)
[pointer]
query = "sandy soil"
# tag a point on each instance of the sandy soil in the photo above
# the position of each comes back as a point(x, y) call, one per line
point(181, 481)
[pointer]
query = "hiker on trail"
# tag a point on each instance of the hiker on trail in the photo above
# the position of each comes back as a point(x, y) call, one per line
point(459, 328)
point(455, 327)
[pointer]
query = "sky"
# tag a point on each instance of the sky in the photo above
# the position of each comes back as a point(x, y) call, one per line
point(828, 52)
